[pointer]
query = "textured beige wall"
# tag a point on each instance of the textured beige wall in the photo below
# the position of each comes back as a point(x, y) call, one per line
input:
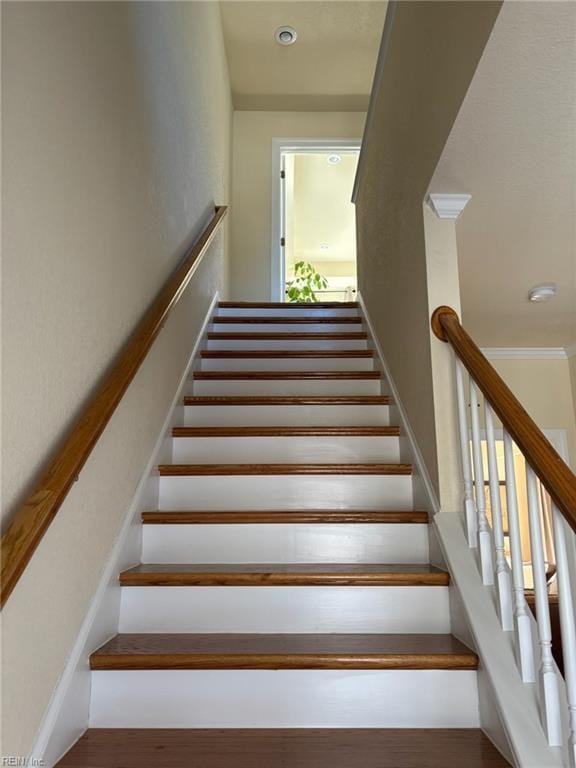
point(433, 52)
point(116, 142)
point(252, 185)
point(545, 390)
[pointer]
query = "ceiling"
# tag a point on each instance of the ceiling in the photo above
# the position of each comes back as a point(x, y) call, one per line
point(513, 148)
point(329, 67)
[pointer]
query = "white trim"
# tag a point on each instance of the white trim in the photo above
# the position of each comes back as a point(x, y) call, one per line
point(418, 458)
point(378, 75)
point(280, 147)
point(570, 351)
point(526, 353)
point(55, 736)
point(447, 206)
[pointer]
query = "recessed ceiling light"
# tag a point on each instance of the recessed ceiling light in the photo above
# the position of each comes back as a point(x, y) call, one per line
point(542, 292)
point(285, 35)
point(334, 159)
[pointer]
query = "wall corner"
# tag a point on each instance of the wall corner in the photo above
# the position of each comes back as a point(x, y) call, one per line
point(444, 289)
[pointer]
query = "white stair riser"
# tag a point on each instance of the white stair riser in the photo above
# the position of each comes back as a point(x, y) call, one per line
point(286, 543)
point(288, 364)
point(286, 492)
point(286, 387)
point(287, 327)
point(286, 415)
point(289, 311)
point(284, 699)
point(258, 450)
point(286, 343)
point(285, 609)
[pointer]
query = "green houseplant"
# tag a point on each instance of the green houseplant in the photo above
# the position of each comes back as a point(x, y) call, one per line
point(306, 281)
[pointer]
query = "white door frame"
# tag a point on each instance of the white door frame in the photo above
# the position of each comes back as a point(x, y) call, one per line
point(282, 147)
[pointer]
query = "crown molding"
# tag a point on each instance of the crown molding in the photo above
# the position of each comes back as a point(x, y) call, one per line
point(570, 351)
point(448, 206)
point(527, 353)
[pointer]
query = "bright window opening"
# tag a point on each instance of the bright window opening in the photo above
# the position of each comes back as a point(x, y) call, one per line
point(319, 225)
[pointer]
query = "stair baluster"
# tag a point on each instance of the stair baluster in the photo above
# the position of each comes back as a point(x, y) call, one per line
point(567, 598)
point(549, 694)
point(484, 534)
point(469, 503)
point(522, 619)
point(503, 576)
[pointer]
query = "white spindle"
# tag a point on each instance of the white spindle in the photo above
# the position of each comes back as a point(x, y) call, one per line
point(548, 681)
point(469, 503)
point(566, 599)
point(484, 534)
point(503, 576)
point(522, 619)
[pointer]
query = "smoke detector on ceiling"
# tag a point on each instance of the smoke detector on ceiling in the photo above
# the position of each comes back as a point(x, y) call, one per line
point(542, 293)
point(334, 159)
point(285, 35)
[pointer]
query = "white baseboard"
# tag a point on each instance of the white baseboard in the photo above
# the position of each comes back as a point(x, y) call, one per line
point(67, 714)
point(422, 470)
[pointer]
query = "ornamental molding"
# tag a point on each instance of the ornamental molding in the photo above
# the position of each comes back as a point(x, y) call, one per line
point(448, 206)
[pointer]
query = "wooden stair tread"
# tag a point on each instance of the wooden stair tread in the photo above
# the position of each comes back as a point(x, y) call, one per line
point(284, 574)
point(284, 353)
point(330, 516)
point(283, 748)
point(283, 651)
point(269, 400)
point(172, 470)
point(288, 305)
point(286, 432)
point(286, 335)
point(283, 375)
point(280, 320)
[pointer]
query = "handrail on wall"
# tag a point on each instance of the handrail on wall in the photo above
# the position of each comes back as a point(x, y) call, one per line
point(37, 512)
point(553, 472)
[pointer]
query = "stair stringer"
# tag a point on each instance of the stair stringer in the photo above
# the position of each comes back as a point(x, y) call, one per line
point(509, 709)
point(425, 498)
point(67, 715)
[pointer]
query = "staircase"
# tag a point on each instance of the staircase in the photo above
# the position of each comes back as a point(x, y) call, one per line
point(285, 612)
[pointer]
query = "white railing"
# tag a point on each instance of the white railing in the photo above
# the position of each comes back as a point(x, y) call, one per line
point(524, 516)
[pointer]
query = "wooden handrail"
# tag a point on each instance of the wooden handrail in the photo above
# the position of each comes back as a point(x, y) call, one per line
point(39, 509)
point(553, 472)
